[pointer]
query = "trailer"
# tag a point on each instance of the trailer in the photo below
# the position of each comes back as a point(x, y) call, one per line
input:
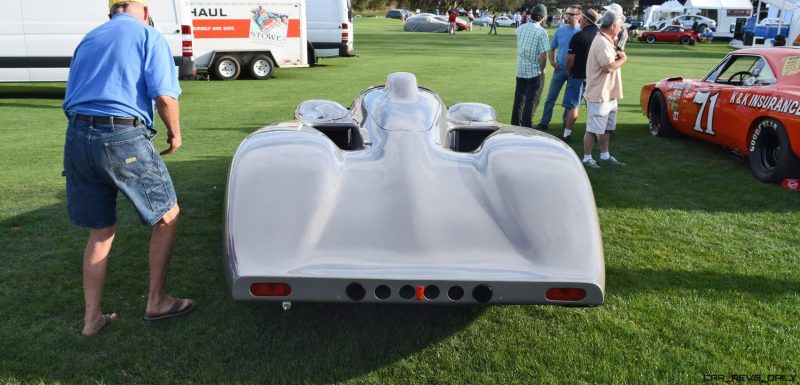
point(250, 37)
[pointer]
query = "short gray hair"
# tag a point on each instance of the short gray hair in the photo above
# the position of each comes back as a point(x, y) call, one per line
point(609, 18)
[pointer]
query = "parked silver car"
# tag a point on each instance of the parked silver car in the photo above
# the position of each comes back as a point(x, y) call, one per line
point(399, 199)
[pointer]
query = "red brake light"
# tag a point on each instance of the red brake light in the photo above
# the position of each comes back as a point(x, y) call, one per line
point(345, 33)
point(270, 289)
point(188, 49)
point(565, 294)
point(186, 29)
point(420, 292)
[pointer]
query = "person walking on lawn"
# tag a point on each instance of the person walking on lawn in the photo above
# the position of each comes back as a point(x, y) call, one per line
point(118, 72)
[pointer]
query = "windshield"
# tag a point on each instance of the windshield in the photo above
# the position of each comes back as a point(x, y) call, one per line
point(742, 70)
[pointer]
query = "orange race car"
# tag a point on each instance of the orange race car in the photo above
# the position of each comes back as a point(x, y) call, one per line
point(749, 102)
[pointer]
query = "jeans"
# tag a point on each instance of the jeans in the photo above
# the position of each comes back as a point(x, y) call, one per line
point(560, 77)
point(101, 160)
point(526, 99)
point(493, 28)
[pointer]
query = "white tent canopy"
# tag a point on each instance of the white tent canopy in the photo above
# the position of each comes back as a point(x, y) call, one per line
point(672, 6)
point(721, 4)
point(786, 5)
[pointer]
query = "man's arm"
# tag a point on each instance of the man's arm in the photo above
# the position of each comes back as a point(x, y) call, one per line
point(551, 56)
point(570, 62)
point(616, 64)
point(543, 61)
point(169, 111)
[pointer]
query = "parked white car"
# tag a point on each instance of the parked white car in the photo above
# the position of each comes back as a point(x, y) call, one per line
point(687, 21)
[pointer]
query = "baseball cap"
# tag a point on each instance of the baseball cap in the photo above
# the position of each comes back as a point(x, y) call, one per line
point(539, 10)
point(614, 7)
point(591, 15)
point(112, 2)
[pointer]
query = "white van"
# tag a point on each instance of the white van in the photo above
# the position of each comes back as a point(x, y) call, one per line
point(38, 38)
point(330, 29)
point(251, 37)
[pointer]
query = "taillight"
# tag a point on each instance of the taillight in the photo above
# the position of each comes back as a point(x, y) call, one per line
point(186, 32)
point(345, 33)
point(565, 294)
point(270, 289)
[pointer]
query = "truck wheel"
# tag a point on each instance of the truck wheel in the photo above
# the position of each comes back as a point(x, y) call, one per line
point(312, 58)
point(771, 158)
point(226, 68)
point(650, 39)
point(659, 120)
point(686, 40)
point(261, 67)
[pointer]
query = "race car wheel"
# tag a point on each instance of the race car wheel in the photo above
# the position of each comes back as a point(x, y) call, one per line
point(261, 67)
point(771, 156)
point(650, 39)
point(686, 40)
point(659, 119)
point(226, 68)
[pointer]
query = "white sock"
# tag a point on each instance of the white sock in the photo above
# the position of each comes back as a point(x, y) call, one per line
point(587, 157)
point(567, 132)
point(604, 155)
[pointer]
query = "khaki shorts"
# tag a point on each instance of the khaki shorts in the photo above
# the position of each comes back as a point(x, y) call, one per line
point(601, 117)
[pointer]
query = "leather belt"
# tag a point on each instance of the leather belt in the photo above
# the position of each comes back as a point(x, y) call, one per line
point(109, 120)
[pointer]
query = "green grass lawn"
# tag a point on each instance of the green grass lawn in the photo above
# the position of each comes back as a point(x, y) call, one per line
point(702, 259)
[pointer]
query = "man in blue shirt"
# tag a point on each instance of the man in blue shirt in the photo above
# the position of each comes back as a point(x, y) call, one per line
point(117, 73)
point(560, 44)
point(531, 60)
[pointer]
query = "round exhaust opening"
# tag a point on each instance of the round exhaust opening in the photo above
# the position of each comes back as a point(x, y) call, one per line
point(455, 293)
point(482, 293)
point(383, 292)
point(431, 292)
point(355, 291)
point(407, 292)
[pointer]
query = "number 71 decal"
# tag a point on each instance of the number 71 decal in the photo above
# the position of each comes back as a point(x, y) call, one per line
point(702, 98)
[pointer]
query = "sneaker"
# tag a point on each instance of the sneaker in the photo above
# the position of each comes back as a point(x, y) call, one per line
point(590, 163)
point(567, 139)
point(541, 127)
point(612, 161)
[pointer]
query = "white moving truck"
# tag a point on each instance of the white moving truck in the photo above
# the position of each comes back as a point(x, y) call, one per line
point(232, 37)
point(330, 29)
point(38, 38)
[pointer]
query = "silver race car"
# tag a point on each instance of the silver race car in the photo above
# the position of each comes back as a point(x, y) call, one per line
point(401, 200)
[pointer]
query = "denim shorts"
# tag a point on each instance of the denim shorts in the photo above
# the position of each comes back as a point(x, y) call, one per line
point(101, 159)
point(573, 93)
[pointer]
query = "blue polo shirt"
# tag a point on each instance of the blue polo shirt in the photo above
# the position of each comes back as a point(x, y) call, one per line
point(560, 43)
point(118, 69)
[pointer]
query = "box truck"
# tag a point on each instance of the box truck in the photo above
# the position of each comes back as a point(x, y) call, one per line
point(250, 37)
point(38, 38)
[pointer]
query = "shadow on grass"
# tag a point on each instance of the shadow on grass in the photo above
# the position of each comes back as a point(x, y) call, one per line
point(32, 91)
point(628, 281)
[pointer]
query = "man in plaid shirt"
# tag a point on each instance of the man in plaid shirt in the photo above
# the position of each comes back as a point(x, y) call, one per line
point(532, 47)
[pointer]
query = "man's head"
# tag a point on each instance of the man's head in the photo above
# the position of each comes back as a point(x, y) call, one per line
point(539, 12)
point(136, 8)
point(611, 23)
point(589, 17)
point(614, 7)
point(573, 14)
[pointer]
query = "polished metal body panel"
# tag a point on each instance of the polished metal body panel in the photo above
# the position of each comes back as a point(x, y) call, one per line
point(394, 204)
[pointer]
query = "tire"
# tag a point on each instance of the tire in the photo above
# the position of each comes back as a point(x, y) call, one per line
point(685, 40)
point(226, 68)
point(261, 67)
point(659, 123)
point(771, 157)
point(312, 58)
point(650, 39)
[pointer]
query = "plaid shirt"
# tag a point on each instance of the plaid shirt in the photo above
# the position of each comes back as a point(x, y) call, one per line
point(532, 41)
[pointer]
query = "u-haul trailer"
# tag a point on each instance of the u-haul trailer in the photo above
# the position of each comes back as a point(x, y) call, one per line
point(251, 37)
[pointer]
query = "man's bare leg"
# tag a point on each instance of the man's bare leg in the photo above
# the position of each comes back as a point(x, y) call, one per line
point(604, 140)
point(95, 263)
point(162, 243)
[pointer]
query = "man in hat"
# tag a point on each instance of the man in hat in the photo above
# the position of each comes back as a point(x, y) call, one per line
point(622, 37)
point(557, 56)
point(119, 70)
point(532, 50)
point(576, 66)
